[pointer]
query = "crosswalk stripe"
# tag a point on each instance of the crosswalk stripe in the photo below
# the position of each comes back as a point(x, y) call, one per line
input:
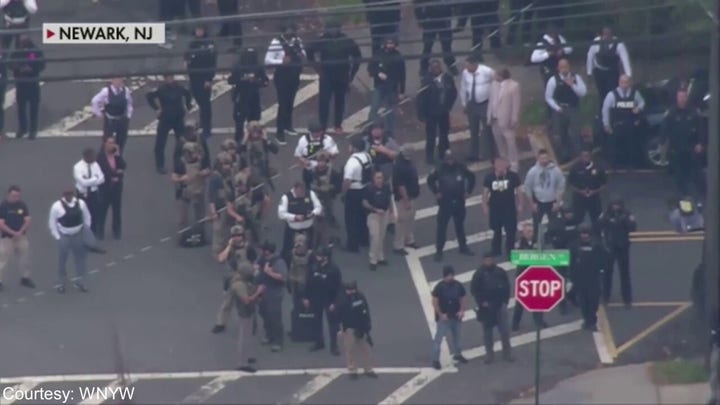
point(412, 387)
point(304, 94)
point(430, 212)
point(9, 397)
point(183, 78)
point(466, 276)
point(78, 117)
point(208, 390)
point(314, 386)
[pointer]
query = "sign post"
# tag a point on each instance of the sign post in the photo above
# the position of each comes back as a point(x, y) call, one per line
point(539, 288)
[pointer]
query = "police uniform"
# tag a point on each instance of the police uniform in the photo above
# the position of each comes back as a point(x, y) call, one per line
point(524, 244)
point(618, 114)
point(358, 171)
point(606, 57)
point(585, 177)
point(435, 19)
point(682, 130)
point(491, 289)
point(339, 63)
point(16, 14)
point(255, 153)
point(326, 183)
point(220, 194)
point(201, 60)
point(247, 202)
point(172, 100)
point(291, 206)
point(452, 182)
point(299, 266)
point(191, 192)
point(286, 54)
point(565, 102)
point(587, 261)
point(377, 198)
point(615, 226)
point(355, 325)
point(114, 104)
point(322, 289)
point(248, 77)
point(310, 146)
point(548, 53)
point(561, 234)
point(29, 62)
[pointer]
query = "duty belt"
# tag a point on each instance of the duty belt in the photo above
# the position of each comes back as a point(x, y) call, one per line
point(114, 117)
point(15, 20)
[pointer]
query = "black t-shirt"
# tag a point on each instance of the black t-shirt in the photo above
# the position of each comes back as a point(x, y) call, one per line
point(378, 198)
point(14, 215)
point(502, 190)
point(449, 294)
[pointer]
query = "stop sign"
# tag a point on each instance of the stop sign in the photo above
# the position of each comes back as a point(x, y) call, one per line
point(539, 288)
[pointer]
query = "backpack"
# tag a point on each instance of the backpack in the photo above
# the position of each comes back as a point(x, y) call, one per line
point(193, 237)
point(687, 217)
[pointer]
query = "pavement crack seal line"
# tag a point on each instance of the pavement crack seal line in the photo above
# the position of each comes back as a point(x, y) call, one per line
point(86, 114)
point(604, 340)
point(652, 328)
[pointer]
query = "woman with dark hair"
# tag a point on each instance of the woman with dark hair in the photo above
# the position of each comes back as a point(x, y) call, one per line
point(248, 77)
point(113, 167)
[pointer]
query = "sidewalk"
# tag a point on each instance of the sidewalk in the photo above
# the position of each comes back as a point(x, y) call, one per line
point(619, 385)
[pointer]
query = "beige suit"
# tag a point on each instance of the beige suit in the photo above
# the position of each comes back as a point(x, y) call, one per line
point(504, 116)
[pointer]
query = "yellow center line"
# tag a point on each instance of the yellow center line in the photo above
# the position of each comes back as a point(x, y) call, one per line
point(652, 328)
point(651, 304)
point(667, 239)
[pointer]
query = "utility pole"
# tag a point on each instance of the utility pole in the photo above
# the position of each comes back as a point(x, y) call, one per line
point(712, 206)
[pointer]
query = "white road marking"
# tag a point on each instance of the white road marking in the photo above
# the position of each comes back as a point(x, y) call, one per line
point(191, 375)
point(110, 264)
point(601, 347)
point(432, 211)
point(107, 391)
point(314, 386)
point(22, 387)
point(39, 293)
point(470, 314)
point(183, 78)
point(466, 277)
point(305, 93)
point(165, 239)
point(355, 121)
point(128, 257)
point(208, 390)
point(520, 340)
point(412, 387)
point(78, 117)
point(21, 300)
point(480, 166)
point(146, 248)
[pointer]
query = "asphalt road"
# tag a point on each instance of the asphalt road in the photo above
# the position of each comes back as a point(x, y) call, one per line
point(161, 300)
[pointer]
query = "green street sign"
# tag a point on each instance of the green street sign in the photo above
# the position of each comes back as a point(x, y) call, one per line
point(540, 257)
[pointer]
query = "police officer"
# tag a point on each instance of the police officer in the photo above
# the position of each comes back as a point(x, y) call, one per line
point(326, 183)
point(355, 325)
point(388, 71)
point(298, 209)
point(615, 225)
point(621, 117)
point(548, 52)
point(384, 20)
point(230, 149)
point(563, 94)
point(382, 149)
point(190, 175)
point(201, 63)
point(220, 194)
point(587, 261)
point(170, 101)
point(406, 189)
point(339, 63)
point(561, 234)
point(301, 256)
point(377, 201)
point(356, 175)
point(502, 202)
point(16, 14)
point(451, 183)
point(114, 104)
point(28, 63)
point(248, 77)
point(482, 15)
point(309, 147)
point(247, 205)
point(587, 180)
point(272, 275)
point(236, 252)
point(435, 20)
point(255, 149)
point(605, 59)
point(526, 242)
point(685, 142)
point(324, 283)
point(286, 54)
point(490, 287)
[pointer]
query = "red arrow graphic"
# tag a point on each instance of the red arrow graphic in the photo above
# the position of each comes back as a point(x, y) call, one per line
point(49, 34)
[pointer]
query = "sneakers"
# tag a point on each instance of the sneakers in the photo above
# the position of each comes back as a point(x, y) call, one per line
point(26, 282)
point(370, 374)
point(247, 369)
point(292, 132)
point(218, 329)
point(460, 359)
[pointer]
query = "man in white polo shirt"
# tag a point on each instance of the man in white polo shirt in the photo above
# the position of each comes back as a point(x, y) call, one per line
point(88, 179)
point(474, 95)
point(309, 147)
point(356, 175)
point(68, 218)
point(298, 208)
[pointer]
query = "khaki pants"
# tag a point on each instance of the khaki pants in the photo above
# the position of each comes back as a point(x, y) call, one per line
point(405, 225)
point(19, 247)
point(377, 227)
point(246, 340)
point(221, 233)
point(195, 205)
point(357, 351)
point(506, 144)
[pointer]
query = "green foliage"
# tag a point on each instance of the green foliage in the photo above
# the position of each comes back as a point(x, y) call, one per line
point(678, 371)
point(354, 18)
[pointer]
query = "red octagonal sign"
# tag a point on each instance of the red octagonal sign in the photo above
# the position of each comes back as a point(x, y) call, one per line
point(539, 288)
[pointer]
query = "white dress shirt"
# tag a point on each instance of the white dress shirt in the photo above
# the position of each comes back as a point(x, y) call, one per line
point(101, 99)
point(609, 103)
point(284, 215)
point(579, 88)
point(620, 50)
point(353, 169)
point(328, 146)
point(484, 77)
point(57, 211)
point(30, 6)
point(276, 53)
point(88, 176)
point(540, 54)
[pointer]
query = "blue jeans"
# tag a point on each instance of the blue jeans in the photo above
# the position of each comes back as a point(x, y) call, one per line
point(386, 100)
point(451, 326)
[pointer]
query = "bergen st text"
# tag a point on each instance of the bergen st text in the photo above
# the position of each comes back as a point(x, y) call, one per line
point(70, 395)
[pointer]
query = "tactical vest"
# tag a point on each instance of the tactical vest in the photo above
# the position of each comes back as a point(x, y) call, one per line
point(378, 159)
point(299, 266)
point(299, 206)
point(16, 13)
point(607, 57)
point(314, 146)
point(245, 310)
point(564, 94)
point(366, 169)
point(239, 257)
point(322, 183)
point(549, 66)
point(116, 106)
point(73, 215)
point(195, 186)
point(256, 155)
point(622, 111)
